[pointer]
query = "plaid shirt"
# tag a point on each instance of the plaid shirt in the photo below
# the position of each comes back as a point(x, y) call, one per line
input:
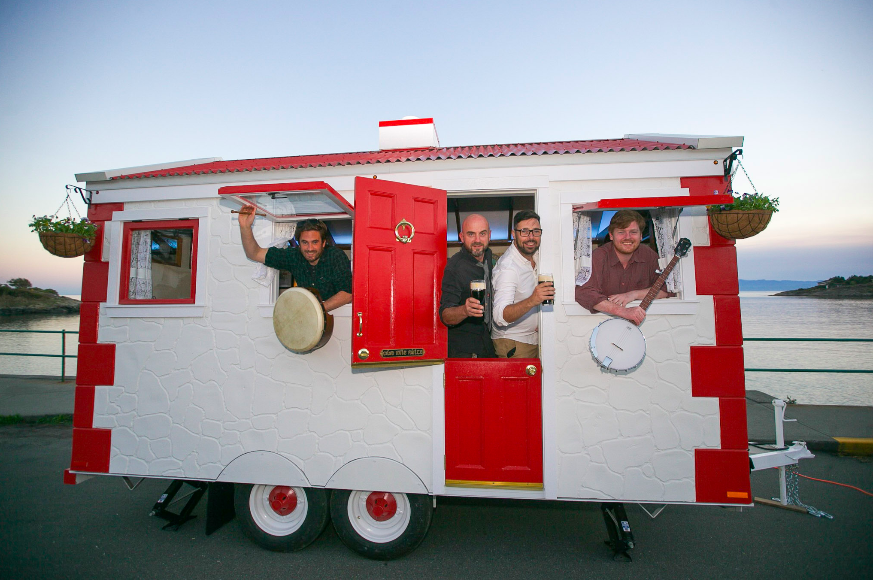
point(332, 274)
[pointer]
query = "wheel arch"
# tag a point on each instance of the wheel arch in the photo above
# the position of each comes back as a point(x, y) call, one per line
point(377, 473)
point(264, 468)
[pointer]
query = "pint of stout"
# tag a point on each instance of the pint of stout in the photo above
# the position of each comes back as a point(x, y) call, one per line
point(546, 278)
point(477, 290)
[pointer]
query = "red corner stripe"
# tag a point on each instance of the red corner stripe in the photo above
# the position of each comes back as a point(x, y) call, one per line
point(733, 422)
point(722, 476)
point(95, 280)
point(91, 448)
point(717, 371)
point(716, 270)
point(96, 364)
point(728, 321)
point(83, 410)
point(400, 122)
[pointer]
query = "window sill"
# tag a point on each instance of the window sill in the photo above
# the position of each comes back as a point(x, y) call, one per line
point(662, 306)
point(154, 311)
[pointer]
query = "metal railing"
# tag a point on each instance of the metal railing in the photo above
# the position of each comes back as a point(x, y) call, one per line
point(63, 356)
point(850, 371)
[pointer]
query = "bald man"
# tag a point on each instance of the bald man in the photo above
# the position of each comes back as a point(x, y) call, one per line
point(468, 320)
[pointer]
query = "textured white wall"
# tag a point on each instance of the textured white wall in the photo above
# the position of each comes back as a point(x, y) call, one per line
point(632, 436)
point(192, 394)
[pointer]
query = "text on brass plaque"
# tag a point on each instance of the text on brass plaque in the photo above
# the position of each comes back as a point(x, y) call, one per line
point(398, 352)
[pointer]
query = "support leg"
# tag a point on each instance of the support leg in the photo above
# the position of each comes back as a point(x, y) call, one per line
point(621, 539)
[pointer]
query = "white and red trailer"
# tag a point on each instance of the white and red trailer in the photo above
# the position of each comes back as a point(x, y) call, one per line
point(371, 428)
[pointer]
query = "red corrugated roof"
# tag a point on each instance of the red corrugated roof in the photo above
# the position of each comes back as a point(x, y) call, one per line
point(404, 155)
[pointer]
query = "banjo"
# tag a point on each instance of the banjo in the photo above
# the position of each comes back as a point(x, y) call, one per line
point(618, 345)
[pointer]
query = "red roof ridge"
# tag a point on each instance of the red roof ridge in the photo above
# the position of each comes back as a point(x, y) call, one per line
point(404, 155)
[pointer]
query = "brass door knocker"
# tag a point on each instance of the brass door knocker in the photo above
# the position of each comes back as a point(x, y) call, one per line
point(404, 239)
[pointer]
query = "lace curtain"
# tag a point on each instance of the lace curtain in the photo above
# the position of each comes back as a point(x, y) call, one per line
point(666, 220)
point(281, 235)
point(582, 246)
point(140, 285)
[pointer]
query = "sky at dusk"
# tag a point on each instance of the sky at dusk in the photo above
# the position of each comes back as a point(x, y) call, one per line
point(90, 85)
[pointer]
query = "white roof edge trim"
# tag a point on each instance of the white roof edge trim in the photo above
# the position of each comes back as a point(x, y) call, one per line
point(110, 173)
point(696, 141)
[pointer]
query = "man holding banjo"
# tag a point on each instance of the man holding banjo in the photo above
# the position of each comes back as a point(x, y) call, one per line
point(622, 270)
point(314, 264)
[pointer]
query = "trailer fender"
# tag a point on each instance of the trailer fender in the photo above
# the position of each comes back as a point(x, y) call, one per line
point(264, 468)
point(377, 473)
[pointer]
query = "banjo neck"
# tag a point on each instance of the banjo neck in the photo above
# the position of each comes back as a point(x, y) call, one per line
point(659, 283)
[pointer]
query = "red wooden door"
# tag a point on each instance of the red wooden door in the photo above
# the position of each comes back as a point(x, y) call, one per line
point(494, 423)
point(399, 256)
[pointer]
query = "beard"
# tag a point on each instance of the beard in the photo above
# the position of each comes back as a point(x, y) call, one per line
point(530, 250)
point(627, 250)
point(477, 250)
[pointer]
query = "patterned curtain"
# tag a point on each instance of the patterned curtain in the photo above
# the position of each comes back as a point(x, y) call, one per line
point(666, 220)
point(140, 286)
point(582, 246)
point(282, 234)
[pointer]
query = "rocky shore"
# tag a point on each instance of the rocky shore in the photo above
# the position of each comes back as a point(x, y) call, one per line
point(856, 287)
point(25, 301)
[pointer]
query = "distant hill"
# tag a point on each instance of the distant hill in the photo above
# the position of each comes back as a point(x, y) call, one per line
point(18, 301)
point(859, 287)
point(760, 285)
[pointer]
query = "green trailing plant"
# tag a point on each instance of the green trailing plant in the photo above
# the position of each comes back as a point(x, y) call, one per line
point(67, 225)
point(748, 202)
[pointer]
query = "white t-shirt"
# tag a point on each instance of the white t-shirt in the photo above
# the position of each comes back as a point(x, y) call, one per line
point(514, 279)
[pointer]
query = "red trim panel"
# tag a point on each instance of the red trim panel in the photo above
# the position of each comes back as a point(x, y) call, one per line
point(89, 315)
point(91, 448)
point(732, 418)
point(400, 122)
point(728, 321)
point(99, 212)
point(95, 279)
point(716, 270)
point(722, 476)
point(705, 185)
point(69, 477)
point(96, 364)
point(715, 238)
point(644, 202)
point(95, 254)
point(717, 371)
point(83, 411)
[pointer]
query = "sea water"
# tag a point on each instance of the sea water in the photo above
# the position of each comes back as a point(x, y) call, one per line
point(763, 316)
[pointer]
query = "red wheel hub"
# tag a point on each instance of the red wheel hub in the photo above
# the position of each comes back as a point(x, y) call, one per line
point(381, 506)
point(283, 500)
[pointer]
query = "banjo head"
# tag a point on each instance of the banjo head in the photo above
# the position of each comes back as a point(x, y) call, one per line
point(618, 345)
point(298, 319)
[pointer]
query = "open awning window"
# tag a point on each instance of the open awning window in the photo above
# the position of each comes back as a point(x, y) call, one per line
point(283, 202)
point(654, 202)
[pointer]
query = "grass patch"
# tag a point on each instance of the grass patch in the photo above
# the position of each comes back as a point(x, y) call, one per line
point(47, 420)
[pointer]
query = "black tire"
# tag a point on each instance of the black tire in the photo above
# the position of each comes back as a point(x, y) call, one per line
point(281, 531)
point(381, 540)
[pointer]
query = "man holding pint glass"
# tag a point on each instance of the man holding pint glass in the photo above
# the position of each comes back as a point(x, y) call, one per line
point(465, 305)
point(519, 291)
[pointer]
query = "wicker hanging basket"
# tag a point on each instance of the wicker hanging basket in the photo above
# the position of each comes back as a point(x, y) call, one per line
point(736, 224)
point(65, 245)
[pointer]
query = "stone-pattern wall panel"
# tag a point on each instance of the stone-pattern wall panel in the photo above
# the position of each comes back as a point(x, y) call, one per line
point(634, 435)
point(193, 394)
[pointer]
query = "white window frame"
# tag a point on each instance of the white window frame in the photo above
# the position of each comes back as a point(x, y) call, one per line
point(115, 231)
point(689, 302)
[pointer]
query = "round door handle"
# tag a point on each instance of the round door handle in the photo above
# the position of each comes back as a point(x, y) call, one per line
point(404, 239)
point(531, 370)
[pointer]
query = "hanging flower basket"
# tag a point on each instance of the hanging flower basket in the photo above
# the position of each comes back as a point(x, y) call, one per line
point(66, 245)
point(739, 224)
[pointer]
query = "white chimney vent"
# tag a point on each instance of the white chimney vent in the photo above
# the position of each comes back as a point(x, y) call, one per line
point(408, 133)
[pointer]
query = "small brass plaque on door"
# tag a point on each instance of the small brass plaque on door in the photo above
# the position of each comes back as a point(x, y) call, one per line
point(399, 352)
